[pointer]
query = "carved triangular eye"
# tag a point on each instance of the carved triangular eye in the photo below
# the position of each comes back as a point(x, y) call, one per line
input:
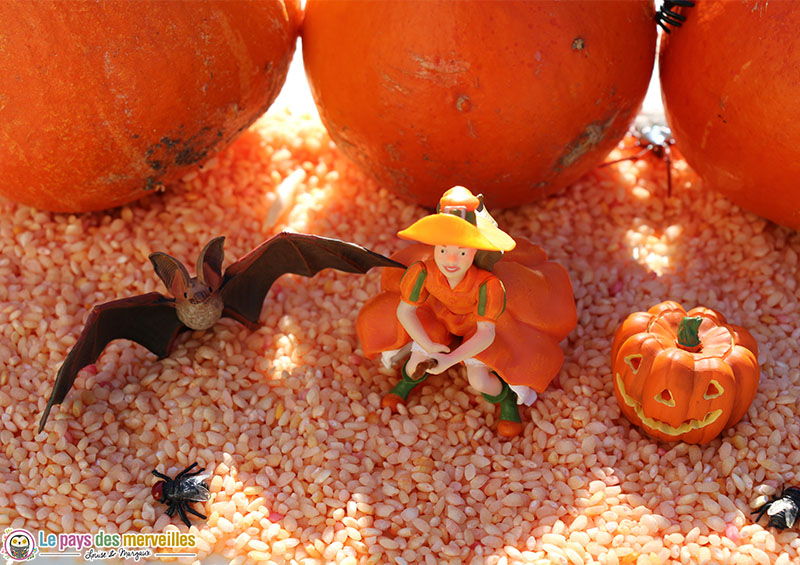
point(713, 390)
point(634, 362)
point(665, 397)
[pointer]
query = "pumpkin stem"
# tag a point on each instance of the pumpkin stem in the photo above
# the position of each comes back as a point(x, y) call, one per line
point(688, 337)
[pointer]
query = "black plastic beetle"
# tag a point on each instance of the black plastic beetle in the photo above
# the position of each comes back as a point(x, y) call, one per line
point(655, 139)
point(667, 16)
point(178, 493)
point(782, 510)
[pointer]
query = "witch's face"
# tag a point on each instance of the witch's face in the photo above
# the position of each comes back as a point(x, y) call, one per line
point(453, 261)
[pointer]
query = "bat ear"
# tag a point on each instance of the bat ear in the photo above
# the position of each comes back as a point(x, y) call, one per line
point(209, 264)
point(172, 272)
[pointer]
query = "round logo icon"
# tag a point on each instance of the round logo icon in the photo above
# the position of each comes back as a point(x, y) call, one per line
point(19, 545)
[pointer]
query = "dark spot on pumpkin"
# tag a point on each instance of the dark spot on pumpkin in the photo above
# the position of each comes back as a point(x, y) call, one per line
point(177, 150)
point(463, 103)
point(394, 154)
point(538, 188)
point(471, 128)
point(589, 138)
point(578, 43)
point(724, 121)
point(150, 183)
point(189, 156)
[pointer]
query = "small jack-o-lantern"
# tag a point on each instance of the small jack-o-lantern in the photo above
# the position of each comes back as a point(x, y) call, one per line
point(683, 376)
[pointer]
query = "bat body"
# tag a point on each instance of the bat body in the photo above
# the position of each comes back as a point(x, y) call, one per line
point(155, 321)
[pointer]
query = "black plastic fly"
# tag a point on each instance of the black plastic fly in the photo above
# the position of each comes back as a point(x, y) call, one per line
point(178, 493)
point(782, 510)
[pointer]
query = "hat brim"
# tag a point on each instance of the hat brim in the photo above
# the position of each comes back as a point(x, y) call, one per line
point(447, 229)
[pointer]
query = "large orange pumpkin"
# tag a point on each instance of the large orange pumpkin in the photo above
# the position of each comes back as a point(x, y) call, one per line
point(683, 375)
point(101, 102)
point(729, 81)
point(516, 99)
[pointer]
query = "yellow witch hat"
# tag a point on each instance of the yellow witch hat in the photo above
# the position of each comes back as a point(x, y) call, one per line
point(461, 220)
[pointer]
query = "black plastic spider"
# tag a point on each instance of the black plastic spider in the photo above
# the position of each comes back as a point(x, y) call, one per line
point(177, 493)
point(667, 16)
point(782, 510)
point(655, 139)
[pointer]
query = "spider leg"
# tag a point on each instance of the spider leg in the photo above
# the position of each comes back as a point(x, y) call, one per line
point(195, 512)
point(666, 16)
point(661, 24)
point(664, 19)
point(635, 157)
point(186, 470)
point(171, 509)
point(184, 517)
point(673, 18)
point(668, 161)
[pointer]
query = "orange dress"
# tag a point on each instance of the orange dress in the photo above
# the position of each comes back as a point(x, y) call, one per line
point(527, 297)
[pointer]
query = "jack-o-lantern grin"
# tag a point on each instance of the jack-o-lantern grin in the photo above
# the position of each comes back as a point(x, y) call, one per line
point(663, 427)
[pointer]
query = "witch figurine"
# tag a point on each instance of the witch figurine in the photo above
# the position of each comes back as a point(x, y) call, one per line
point(471, 295)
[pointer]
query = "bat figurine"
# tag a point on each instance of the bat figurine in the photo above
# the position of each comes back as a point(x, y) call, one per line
point(154, 320)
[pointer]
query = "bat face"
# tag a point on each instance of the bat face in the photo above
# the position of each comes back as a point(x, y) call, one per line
point(197, 301)
point(199, 294)
point(201, 308)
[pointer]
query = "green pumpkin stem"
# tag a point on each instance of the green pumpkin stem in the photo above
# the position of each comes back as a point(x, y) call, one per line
point(688, 337)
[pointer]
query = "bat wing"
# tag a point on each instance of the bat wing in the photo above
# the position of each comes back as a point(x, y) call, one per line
point(248, 280)
point(148, 319)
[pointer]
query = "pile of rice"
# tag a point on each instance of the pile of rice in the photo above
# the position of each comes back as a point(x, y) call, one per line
point(307, 468)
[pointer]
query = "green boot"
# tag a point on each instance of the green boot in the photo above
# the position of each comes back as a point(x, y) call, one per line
point(510, 424)
point(400, 392)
